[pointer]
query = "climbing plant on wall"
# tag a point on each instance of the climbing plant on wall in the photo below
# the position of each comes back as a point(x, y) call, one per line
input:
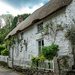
point(10, 41)
point(52, 28)
point(70, 34)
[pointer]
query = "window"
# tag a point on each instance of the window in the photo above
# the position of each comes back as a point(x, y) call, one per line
point(40, 44)
point(26, 47)
point(40, 27)
point(21, 36)
point(21, 47)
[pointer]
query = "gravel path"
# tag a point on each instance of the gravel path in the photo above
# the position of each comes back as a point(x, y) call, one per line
point(4, 71)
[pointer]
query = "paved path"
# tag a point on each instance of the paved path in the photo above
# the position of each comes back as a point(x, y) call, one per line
point(4, 71)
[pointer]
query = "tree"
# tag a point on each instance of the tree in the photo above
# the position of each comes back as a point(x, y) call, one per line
point(10, 25)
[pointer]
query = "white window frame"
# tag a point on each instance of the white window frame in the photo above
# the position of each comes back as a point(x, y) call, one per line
point(40, 45)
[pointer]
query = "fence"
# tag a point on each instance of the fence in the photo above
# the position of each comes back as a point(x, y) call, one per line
point(47, 65)
point(3, 58)
point(21, 62)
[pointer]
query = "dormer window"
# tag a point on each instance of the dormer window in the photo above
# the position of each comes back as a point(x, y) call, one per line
point(40, 27)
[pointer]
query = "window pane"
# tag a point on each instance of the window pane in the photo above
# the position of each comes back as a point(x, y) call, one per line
point(40, 27)
point(26, 47)
point(21, 35)
point(39, 43)
point(42, 42)
point(39, 49)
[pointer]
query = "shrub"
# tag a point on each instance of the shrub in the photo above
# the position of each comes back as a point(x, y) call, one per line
point(36, 60)
point(2, 48)
point(50, 51)
point(4, 52)
point(46, 53)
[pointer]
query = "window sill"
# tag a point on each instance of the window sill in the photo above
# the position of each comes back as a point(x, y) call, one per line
point(39, 32)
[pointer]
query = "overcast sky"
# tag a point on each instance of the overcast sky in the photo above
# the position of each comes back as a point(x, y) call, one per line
point(16, 7)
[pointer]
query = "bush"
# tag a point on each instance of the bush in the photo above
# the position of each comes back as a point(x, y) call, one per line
point(36, 60)
point(46, 53)
point(4, 52)
point(2, 48)
point(50, 51)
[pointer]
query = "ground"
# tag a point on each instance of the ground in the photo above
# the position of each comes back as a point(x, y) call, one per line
point(6, 71)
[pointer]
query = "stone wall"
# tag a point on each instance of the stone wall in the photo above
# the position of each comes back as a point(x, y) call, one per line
point(31, 71)
point(3, 64)
point(3, 60)
point(64, 64)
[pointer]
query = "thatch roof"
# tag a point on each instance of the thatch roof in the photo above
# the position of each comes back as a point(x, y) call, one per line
point(39, 14)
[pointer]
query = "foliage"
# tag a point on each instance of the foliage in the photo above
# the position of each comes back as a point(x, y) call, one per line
point(47, 52)
point(10, 25)
point(50, 51)
point(51, 28)
point(36, 60)
point(24, 16)
point(49, 65)
point(2, 48)
point(42, 58)
point(6, 29)
point(10, 41)
point(71, 34)
point(4, 52)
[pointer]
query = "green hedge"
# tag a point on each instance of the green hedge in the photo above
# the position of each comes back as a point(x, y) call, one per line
point(4, 52)
point(2, 48)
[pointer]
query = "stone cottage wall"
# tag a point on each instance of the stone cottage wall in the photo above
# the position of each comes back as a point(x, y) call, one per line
point(32, 36)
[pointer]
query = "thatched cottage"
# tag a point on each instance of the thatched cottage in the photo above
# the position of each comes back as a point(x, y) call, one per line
point(58, 14)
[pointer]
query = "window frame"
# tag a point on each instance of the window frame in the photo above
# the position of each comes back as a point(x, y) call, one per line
point(39, 30)
point(22, 36)
point(40, 45)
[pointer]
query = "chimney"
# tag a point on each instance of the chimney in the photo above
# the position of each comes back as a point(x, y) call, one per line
point(20, 19)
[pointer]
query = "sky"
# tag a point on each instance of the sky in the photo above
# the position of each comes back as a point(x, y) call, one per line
point(16, 7)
